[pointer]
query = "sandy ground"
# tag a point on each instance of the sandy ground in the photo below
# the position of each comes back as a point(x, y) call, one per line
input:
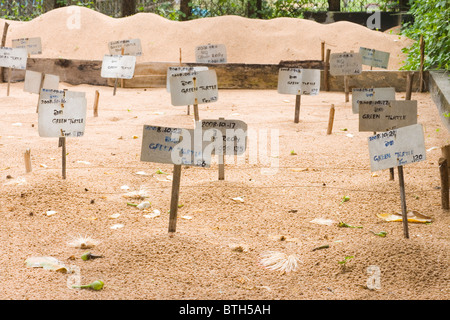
point(217, 249)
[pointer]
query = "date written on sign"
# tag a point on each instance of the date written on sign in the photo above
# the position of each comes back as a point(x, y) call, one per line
point(346, 63)
point(297, 81)
point(193, 88)
point(397, 147)
point(386, 115)
point(61, 113)
point(371, 94)
point(118, 66)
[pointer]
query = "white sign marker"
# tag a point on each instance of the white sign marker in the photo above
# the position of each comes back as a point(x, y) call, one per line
point(118, 66)
point(14, 58)
point(130, 47)
point(211, 53)
point(397, 147)
point(194, 88)
point(61, 113)
point(379, 116)
point(32, 45)
point(374, 58)
point(232, 133)
point(33, 81)
point(290, 81)
point(371, 94)
point(175, 70)
point(346, 63)
point(298, 81)
point(192, 147)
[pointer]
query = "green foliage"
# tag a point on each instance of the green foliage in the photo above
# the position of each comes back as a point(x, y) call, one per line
point(431, 20)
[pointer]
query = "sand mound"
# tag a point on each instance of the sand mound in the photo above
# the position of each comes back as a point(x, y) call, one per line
point(247, 40)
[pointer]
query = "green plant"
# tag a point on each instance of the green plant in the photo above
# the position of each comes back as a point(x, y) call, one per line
point(431, 20)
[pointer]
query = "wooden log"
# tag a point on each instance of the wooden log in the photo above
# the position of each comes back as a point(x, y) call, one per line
point(443, 170)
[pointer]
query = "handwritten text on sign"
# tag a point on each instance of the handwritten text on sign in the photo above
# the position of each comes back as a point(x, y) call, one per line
point(379, 116)
point(397, 147)
point(231, 134)
point(346, 63)
point(298, 81)
point(61, 113)
point(32, 45)
point(374, 58)
point(371, 94)
point(118, 66)
point(175, 70)
point(191, 147)
point(15, 58)
point(33, 81)
point(193, 88)
point(130, 47)
point(211, 53)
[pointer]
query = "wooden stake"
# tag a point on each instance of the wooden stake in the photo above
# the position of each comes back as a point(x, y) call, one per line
point(222, 161)
point(121, 80)
point(422, 57)
point(41, 85)
point(27, 156)
point(443, 169)
point(188, 110)
point(403, 201)
point(196, 117)
point(409, 82)
point(174, 198)
point(9, 82)
point(297, 108)
point(97, 95)
point(327, 70)
point(330, 120)
point(115, 87)
point(346, 88)
point(445, 150)
point(62, 144)
point(3, 44)
point(180, 57)
point(322, 51)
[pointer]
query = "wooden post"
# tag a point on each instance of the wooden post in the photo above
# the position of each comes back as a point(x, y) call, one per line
point(27, 157)
point(9, 82)
point(443, 169)
point(297, 108)
point(330, 120)
point(174, 198)
point(115, 87)
point(422, 57)
point(409, 82)
point(445, 150)
point(97, 95)
point(122, 52)
point(3, 44)
point(196, 116)
point(222, 161)
point(322, 51)
point(62, 144)
point(346, 88)
point(403, 201)
point(327, 70)
point(41, 85)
